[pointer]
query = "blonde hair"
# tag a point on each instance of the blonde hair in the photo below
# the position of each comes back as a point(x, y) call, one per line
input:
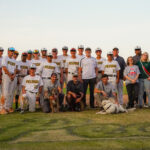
point(145, 53)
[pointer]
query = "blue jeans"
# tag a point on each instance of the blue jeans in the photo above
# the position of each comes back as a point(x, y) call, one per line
point(147, 89)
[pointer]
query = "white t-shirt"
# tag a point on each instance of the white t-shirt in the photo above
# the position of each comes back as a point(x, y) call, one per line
point(88, 66)
point(23, 68)
point(100, 62)
point(111, 69)
point(58, 62)
point(48, 69)
point(72, 64)
point(63, 58)
point(32, 83)
point(38, 64)
point(10, 64)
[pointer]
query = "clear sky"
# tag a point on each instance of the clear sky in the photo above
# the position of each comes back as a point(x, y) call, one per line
point(30, 24)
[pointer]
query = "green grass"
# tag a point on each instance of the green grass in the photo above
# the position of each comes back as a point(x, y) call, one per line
point(75, 131)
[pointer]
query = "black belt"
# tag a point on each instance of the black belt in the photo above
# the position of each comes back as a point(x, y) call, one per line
point(32, 92)
point(46, 77)
point(99, 71)
point(111, 75)
point(21, 76)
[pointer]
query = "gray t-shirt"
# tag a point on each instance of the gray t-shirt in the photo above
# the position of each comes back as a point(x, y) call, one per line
point(131, 72)
point(109, 89)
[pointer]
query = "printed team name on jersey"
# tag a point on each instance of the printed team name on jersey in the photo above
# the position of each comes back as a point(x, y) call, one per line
point(100, 62)
point(32, 81)
point(49, 67)
point(37, 64)
point(110, 66)
point(58, 63)
point(24, 67)
point(73, 63)
point(11, 63)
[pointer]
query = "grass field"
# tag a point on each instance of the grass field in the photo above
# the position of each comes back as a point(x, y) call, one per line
point(75, 131)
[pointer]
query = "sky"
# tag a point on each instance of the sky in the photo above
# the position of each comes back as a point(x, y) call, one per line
point(33, 24)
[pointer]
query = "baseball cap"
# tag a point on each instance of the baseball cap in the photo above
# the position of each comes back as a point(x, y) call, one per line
point(1, 49)
point(110, 53)
point(54, 50)
point(88, 49)
point(32, 66)
point(16, 52)
point(24, 54)
point(11, 49)
point(75, 75)
point(73, 50)
point(65, 48)
point(80, 47)
point(49, 54)
point(43, 49)
point(138, 48)
point(29, 51)
point(98, 49)
point(36, 51)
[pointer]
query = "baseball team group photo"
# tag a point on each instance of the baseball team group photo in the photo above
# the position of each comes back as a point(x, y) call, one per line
point(74, 75)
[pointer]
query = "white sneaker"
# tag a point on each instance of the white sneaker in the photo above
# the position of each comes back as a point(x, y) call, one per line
point(145, 106)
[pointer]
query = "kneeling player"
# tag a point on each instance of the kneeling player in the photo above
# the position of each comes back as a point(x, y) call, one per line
point(75, 94)
point(31, 89)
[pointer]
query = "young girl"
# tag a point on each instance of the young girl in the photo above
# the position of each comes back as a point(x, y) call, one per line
point(131, 74)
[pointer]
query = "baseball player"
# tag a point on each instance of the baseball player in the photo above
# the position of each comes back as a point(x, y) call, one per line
point(31, 89)
point(64, 56)
point(80, 54)
point(111, 68)
point(72, 64)
point(23, 71)
point(1, 57)
point(100, 61)
point(29, 56)
point(36, 61)
point(58, 61)
point(44, 54)
point(48, 67)
point(9, 69)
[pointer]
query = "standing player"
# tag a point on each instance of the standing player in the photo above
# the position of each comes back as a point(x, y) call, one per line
point(63, 57)
point(80, 52)
point(9, 69)
point(23, 71)
point(72, 65)
point(58, 61)
point(48, 67)
point(100, 61)
point(44, 54)
point(87, 73)
point(31, 89)
point(1, 57)
point(111, 68)
point(122, 65)
point(36, 61)
point(29, 56)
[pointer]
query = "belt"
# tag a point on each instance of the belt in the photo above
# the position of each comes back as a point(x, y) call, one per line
point(37, 74)
point(111, 75)
point(99, 71)
point(32, 92)
point(21, 76)
point(46, 77)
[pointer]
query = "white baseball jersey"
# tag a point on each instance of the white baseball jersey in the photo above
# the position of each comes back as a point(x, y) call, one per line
point(10, 64)
point(80, 56)
point(1, 62)
point(38, 64)
point(29, 61)
point(23, 68)
point(32, 83)
point(58, 62)
point(63, 58)
point(88, 66)
point(72, 64)
point(48, 69)
point(111, 68)
point(100, 62)
point(43, 59)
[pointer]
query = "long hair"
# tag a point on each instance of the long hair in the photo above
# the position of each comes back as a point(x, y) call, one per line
point(145, 53)
point(128, 60)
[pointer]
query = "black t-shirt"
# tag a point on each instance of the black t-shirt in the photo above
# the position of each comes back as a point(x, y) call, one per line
point(75, 88)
